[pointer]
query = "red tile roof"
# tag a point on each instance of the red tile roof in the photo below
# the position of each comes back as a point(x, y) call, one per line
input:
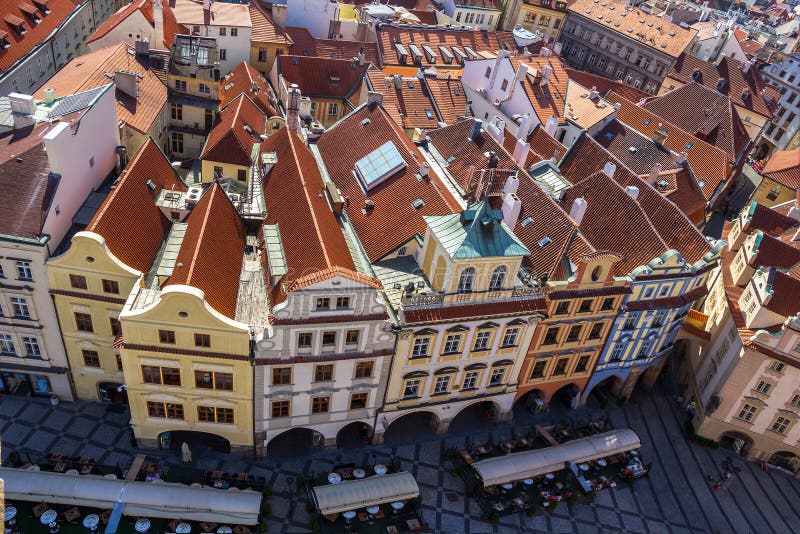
point(772, 252)
point(136, 240)
point(91, 70)
point(436, 314)
point(13, 17)
point(389, 34)
point(332, 272)
point(448, 95)
point(171, 26)
point(312, 240)
point(409, 105)
point(547, 100)
point(424, 16)
point(684, 191)
point(545, 144)
point(785, 288)
point(606, 85)
point(322, 77)
point(706, 114)
point(210, 257)
point(264, 29)
point(244, 78)
point(737, 81)
point(305, 44)
point(229, 141)
point(392, 221)
point(784, 167)
point(769, 220)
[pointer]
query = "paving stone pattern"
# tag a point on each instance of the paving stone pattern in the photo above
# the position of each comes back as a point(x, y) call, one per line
point(676, 498)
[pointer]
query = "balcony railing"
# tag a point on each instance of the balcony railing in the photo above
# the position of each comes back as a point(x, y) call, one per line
point(189, 129)
point(440, 299)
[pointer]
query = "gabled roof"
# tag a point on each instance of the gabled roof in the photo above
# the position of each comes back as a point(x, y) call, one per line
point(244, 78)
point(210, 256)
point(171, 26)
point(322, 77)
point(476, 232)
point(547, 100)
point(392, 221)
point(136, 240)
point(229, 140)
point(305, 44)
point(638, 152)
point(769, 220)
point(736, 81)
point(584, 109)
point(606, 85)
point(784, 167)
point(96, 69)
point(264, 29)
point(683, 190)
point(310, 235)
point(545, 144)
point(409, 104)
point(13, 18)
point(448, 95)
point(704, 113)
point(772, 252)
point(389, 34)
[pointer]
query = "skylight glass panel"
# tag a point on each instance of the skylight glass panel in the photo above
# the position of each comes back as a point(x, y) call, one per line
point(379, 165)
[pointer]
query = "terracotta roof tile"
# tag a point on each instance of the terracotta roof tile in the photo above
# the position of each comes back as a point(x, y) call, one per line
point(409, 104)
point(606, 85)
point(94, 69)
point(706, 114)
point(424, 16)
point(709, 163)
point(229, 141)
point(136, 240)
point(638, 152)
point(547, 100)
point(685, 193)
point(436, 314)
point(264, 29)
point(650, 30)
point(305, 44)
point(312, 240)
point(389, 34)
point(785, 289)
point(769, 220)
point(545, 144)
point(784, 167)
point(737, 81)
point(448, 95)
point(772, 252)
point(392, 221)
point(14, 18)
point(244, 78)
point(210, 256)
point(171, 26)
point(322, 77)
point(332, 272)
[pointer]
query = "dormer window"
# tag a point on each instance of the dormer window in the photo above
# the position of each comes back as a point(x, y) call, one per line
point(16, 23)
point(4, 43)
point(42, 5)
point(31, 11)
point(466, 280)
point(498, 279)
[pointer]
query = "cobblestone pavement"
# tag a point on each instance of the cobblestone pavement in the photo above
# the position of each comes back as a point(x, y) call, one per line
point(676, 498)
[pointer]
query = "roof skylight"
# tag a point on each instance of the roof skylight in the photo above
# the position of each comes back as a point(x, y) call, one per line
point(379, 165)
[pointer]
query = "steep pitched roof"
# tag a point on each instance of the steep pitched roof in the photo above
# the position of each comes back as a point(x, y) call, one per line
point(210, 256)
point(392, 220)
point(606, 85)
point(448, 95)
point(96, 69)
point(405, 99)
point(772, 252)
point(389, 34)
point(229, 140)
point(171, 26)
point(19, 14)
point(638, 152)
point(244, 78)
point(136, 240)
point(706, 114)
point(784, 167)
point(769, 220)
point(310, 235)
point(547, 100)
point(264, 29)
point(545, 144)
point(305, 44)
point(322, 77)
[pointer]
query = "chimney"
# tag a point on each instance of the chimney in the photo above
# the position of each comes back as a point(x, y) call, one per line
point(556, 155)
point(22, 108)
point(361, 56)
point(721, 84)
point(522, 131)
point(653, 178)
point(374, 98)
point(660, 136)
point(746, 66)
point(557, 49)
point(609, 169)
point(521, 150)
point(494, 129)
point(511, 185)
point(794, 211)
point(491, 160)
point(49, 95)
point(594, 94)
point(547, 70)
point(206, 5)
point(142, 46)
point(545, 52)
point(522, 71)
point(512, 207)
point(617, 105)
point(475, 132)
point(127, 82)
point(681, 159)
point(551, 126)
point(632, 191)
point(158, 24)
point(424, 169)
point(293, 108)
point(578, 210)
point(398, 81)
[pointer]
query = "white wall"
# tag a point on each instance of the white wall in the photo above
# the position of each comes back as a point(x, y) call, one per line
point(134, 25)
point(314, 15)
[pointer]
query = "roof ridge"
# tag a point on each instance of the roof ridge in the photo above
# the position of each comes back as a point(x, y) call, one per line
point(206, 216)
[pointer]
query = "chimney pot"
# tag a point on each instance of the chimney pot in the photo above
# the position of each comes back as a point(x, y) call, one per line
point(653, 178)
point(374, 98)
point(609, 169)
point(632, 191)
point(475, 132)
point(578, 210)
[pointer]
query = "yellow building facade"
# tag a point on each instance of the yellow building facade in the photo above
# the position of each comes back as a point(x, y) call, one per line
point(545, 16)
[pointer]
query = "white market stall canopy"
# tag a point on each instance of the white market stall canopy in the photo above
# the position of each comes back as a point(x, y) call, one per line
point(520, 465)
point(372, 491)
point(141, 499)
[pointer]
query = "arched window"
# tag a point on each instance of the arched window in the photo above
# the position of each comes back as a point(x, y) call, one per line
point(498, 279)
point(466, 280)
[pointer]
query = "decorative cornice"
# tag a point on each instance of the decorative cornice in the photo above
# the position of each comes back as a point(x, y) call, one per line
point(87, 296)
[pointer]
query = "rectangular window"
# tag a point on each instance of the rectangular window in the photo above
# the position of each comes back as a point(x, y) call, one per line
point(328, 339)
point(222, 31)
point(24, 271)
point(165, 410)
point(280, 408)
point(205, 414)
point(180, 85)
point(658, 318)
point(586, 306)
point(795, 401)
point(551, 337)
point(170, 376)
point(32, 349)
point(323, 373)
point(780, 425)
point(151, 374)
point(764, 387)
point(574, 333)
point(562, 308)
point(645, 348)
point(111, 286)
point(304, 340)
point(779, 366)
point(747, 413)
point(452, 344)
point(176, 112)
point(119, 362)
point(538, 370)
point(211, 414)
point(333, 109)
point(77, 281)
point(116, 326)
point(442, 385)
point(91, 358)
point(323, 304)
point(203, 89)
point(497, 376)
point(83, 322)
point(510, 337)
point(223, 54)
point(583, 361)
point(421, 347)
point(20, 307)
point(213, 380)
point(358, 401)
point(262, 55)
point(482, 341)
point(342, 303)
point(202, 340)
point(470, 380)
point(616, 353)
point(177, 142)
point(320, 404)
point(351, 337)
point(597, 329)
point(561, 367)
point(630, 321)
point(7, 344)
point(281, 375)
point(234, 32)
point(411, 388)
point(364, 369)
point(166, 336)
